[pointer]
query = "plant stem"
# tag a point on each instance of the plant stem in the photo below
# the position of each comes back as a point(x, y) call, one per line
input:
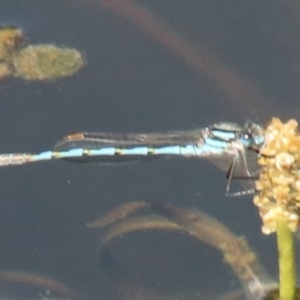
point(287, 270)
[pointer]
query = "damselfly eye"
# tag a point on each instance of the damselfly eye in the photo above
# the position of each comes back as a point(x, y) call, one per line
point(248, 139)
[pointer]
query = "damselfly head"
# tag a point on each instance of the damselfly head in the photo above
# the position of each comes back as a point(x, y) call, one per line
point(253, 136)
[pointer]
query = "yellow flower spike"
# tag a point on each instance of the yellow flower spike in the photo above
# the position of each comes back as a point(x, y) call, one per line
point(278, 198)
point(283, 180)
point(281, 194)
point(261, 185)
point(297, 199)
point(284, 160)
point(296, 184)
point(291, 126)
point(260, 201)
point(275, 124)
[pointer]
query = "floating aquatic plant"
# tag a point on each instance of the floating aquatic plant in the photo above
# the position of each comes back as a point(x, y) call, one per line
point(5, 71)
point(35, 62)
point(46, 62)
point(10, 39)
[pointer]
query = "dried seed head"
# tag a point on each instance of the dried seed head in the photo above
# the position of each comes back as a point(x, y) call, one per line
point(279, 184)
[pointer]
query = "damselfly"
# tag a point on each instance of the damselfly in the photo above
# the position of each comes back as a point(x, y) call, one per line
point(224, 142)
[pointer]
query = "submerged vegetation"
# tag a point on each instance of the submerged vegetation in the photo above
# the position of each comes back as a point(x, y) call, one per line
point(35, 62)
point(236, 252)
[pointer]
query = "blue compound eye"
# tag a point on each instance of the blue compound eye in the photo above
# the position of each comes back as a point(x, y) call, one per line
point(247, 139)
point(253, 138)
point(247, 136)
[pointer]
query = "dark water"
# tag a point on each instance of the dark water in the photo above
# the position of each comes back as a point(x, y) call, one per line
point(151, 66)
